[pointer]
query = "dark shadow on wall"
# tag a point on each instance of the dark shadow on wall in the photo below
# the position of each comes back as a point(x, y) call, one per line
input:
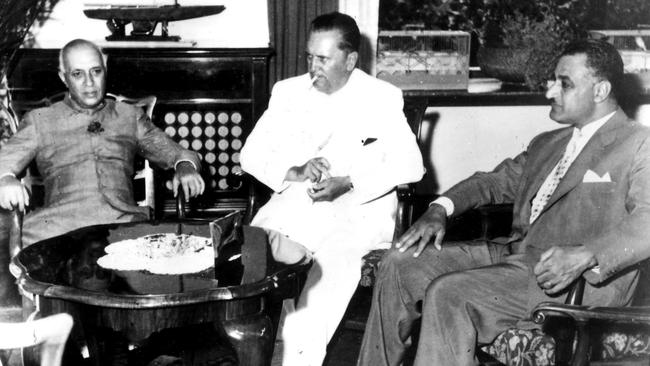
point(429, 184)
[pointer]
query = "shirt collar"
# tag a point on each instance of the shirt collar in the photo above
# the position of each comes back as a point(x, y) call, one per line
point(588, 130)
point(78, 109)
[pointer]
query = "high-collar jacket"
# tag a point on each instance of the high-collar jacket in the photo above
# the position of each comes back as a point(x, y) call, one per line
point(87, 175)
point(603, 201)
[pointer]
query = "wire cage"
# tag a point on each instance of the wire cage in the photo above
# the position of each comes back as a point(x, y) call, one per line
point(633, 45)
point(424, 59)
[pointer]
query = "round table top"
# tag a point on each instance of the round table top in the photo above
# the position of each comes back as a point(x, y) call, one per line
point(66, 266)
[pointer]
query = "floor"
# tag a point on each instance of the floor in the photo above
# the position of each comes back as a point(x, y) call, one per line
point(344, 347)
point(343, 351)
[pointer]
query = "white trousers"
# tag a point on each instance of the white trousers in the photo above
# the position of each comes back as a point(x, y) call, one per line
point(308, 326)
point(337, 236)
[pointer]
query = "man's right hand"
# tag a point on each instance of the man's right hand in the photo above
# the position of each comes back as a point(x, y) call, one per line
point(313, 170)
point(13, 194)
point(431, 225)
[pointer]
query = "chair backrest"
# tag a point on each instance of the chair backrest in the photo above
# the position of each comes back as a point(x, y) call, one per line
point(50, 333)
point(144, 172)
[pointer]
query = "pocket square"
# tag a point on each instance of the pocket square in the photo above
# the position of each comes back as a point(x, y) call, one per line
point(593, 177)
point(368, 141)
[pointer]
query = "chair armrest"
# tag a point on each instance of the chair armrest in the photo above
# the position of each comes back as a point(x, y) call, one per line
point(575, 332)
point(180, 205)
point(630, 315)
point(404, 214)
point(573, 301)
point(405, 192)
point(15, 232)
point(574, 296)
point(496, 220)
point(257, 193)
point(484, 222)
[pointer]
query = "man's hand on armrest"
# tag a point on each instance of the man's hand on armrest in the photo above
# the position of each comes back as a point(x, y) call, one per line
point(431, 225)
point(12, 193)
point(189, 179)
point(558, 267)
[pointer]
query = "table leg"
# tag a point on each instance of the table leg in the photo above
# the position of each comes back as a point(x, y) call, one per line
point(107, 347)
point(252, 338)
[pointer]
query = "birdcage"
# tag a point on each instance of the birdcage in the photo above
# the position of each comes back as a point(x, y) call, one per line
point(424, 59)
point(633, 45)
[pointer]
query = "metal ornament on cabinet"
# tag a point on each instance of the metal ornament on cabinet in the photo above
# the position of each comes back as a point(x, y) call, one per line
point(145, 19)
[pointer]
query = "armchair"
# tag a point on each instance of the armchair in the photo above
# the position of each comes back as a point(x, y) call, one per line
point(610, 335)
point(572, 334)
point(605, 334)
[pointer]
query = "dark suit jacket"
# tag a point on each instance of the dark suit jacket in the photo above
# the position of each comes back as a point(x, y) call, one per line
point(611, 218)
point(87, 176)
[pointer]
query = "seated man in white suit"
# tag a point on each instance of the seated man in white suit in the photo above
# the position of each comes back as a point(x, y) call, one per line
point(332, 146)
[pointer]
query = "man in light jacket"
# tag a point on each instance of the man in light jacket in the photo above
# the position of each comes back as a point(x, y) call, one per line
point(332, 146)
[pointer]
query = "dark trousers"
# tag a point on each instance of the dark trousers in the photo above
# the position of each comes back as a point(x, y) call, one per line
point(467, 294)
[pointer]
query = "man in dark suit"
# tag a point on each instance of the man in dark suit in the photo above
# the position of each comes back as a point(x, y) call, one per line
point(581, 198)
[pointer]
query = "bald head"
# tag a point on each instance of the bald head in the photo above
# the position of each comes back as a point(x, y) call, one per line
point(82, 69)
point(77, 44)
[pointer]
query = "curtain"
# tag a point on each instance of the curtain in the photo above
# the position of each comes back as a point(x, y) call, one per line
point(288, 29)
point(366, 13)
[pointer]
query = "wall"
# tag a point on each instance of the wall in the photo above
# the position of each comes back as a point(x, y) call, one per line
point(243, 23)
point(458, 141)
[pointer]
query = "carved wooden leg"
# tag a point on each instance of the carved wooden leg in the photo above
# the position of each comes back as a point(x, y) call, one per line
point(252, 338)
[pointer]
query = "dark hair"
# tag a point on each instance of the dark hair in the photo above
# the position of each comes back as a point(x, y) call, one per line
point(602, 58)
point(347, 27)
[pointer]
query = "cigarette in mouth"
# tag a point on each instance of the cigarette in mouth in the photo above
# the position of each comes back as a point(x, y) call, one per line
point(313, 80)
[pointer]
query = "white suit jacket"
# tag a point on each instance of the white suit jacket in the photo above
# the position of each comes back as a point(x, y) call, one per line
point(361, 130)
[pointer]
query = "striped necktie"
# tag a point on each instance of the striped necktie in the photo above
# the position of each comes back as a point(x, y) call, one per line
point(550, 184)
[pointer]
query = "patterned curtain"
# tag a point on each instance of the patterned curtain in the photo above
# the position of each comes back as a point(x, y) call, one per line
point(288, 27)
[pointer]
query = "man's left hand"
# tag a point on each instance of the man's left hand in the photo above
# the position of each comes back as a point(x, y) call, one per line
point(330, 189)
point(558, 267)
point(187, 177)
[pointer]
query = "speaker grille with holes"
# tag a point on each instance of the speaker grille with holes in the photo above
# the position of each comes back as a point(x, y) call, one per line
point(215, 131)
